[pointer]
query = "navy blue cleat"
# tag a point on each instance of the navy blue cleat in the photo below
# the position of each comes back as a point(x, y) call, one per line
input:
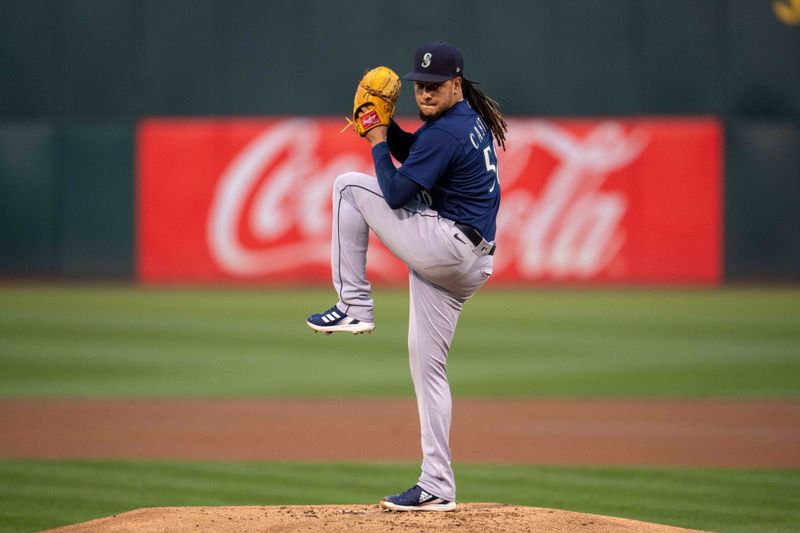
point(333, 320)
point(416, 499)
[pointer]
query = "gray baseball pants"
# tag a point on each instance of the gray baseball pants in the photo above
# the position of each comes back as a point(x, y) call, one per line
point(444, 272)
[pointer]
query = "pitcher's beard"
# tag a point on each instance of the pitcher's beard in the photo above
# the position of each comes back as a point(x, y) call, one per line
point(441, 111)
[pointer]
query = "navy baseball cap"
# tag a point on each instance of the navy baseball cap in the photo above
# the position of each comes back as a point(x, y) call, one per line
point(436, 62)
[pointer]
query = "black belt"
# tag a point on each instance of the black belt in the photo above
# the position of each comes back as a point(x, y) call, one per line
point(473, 235)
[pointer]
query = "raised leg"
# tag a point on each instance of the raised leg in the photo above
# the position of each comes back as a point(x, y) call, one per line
point(349, 242)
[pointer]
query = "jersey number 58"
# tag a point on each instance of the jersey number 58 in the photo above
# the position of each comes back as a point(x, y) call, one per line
point(491, 167)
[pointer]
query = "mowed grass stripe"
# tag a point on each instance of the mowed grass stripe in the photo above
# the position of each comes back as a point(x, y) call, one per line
point(41, 494)
point(124, 341)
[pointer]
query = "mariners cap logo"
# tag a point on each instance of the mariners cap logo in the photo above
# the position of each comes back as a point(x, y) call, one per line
point(426, 60)
point(437, 62)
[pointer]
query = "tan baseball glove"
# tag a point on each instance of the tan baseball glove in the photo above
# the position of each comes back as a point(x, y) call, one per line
point(377, 93)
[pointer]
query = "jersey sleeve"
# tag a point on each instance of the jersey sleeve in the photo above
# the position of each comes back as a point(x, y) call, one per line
point(397, 189)
point(400, 141)
point(430, 156)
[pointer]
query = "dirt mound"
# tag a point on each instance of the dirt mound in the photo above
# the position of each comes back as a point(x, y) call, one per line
point(477, 517)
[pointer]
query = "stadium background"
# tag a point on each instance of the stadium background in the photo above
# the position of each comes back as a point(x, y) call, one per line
point(80, 78)
point(79, 75)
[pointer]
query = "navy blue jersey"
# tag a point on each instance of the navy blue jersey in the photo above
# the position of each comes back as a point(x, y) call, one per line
point(453, 159)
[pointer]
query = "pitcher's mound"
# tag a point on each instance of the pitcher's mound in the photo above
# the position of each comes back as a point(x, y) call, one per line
point(469, 517)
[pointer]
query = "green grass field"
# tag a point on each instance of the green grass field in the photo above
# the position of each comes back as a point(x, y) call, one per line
point(107, 341)
point(40, 494)
point(113, 341)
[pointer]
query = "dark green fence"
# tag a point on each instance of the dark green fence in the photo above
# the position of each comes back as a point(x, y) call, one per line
point(28, 199)
point(78, 58)
point(66, 199)
point(76, 74)
point(762, 205)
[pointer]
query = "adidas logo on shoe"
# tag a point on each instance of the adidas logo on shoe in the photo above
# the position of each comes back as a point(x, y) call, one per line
point(416, 499)
point(333, 320)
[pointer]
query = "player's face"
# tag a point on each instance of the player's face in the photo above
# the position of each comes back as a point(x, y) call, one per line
point(433, 99)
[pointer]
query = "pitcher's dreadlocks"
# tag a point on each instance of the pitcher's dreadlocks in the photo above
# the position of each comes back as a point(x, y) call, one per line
point(488, 109)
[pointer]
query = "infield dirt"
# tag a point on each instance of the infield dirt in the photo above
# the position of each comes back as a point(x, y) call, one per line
point(569, 432)
point(588, 432)
point(468, 518)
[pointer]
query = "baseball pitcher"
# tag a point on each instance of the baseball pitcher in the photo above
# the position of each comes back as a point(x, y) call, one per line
point(437, 212)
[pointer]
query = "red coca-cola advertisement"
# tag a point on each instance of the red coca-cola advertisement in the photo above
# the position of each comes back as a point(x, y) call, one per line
point(583, 201)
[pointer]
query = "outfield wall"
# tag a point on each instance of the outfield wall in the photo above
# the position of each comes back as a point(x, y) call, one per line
point(68, 208)
point(75, 59)
point(599, 201)
point(79, 77)
point(66, 199)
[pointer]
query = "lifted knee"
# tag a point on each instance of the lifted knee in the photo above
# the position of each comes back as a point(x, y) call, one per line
point(348, 178)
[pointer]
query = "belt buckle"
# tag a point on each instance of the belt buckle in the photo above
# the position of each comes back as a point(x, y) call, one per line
point(483, 248)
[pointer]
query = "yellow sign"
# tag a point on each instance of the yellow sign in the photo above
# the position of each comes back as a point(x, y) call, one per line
point(787, 11)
